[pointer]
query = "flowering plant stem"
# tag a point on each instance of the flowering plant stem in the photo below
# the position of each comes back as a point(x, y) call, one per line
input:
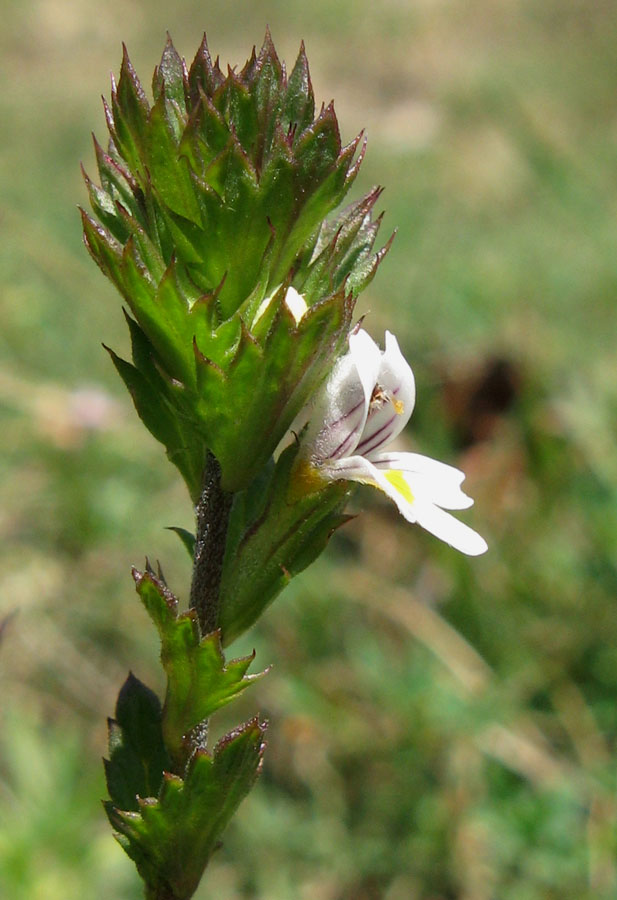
point(218, 220)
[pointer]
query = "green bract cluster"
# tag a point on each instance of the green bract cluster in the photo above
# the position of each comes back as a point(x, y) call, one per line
point(213, 201)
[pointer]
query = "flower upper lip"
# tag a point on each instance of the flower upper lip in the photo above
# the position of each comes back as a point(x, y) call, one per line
point(346, 408)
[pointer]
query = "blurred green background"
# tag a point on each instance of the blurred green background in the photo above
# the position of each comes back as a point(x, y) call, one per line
point(441, 728)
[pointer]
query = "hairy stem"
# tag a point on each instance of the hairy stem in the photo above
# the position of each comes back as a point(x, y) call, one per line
point(212, 520)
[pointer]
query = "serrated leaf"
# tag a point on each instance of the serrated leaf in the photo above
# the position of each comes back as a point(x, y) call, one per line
point(104, 207)
point(318, 149)
point(199, 681)
point(130, 110)
point(204, 76)
point(209, 129)
point(324, 196)
point(104, 249)
point(343, 251)
point(299, 104)
point(137, 754)
point(172, 838)
point(157, 308)
point(115, 179)
point(267, 85)
point(147, 251)
point(169, 172)
point(240, 111)
point(169, 77)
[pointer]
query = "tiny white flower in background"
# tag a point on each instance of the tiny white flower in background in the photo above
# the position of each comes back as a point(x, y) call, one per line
point(364, 405)
point(295, 303)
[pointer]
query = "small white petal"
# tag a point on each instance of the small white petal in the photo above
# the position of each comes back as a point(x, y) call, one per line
point(414, 507)
point(423, 465)
point(366, 356)
point(448, 529)
point(339, 414)
point(387, 418)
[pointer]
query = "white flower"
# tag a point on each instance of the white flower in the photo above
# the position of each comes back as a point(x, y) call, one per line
point(364, 405)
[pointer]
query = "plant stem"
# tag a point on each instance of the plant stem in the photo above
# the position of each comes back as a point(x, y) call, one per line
point(212, 520)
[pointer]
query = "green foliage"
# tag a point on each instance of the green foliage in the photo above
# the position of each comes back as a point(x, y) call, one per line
point(276, 530)
point(172, 837)
point(198, 679)
point(137, 753)
point(211, 200)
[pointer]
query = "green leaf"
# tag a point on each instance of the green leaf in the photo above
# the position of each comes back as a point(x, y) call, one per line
point(343, 252)
point(282, 369)
point(187, 538)
point(158, 309)
point(169, 172)
point(318, 149)
point(204, 76)
point(299, 104)
point(170, 76)
point(277, 528)
point(240, 110)
point(116, 180)
point(105, 250)
point(130, 110)
point(320, 199)
point(172, 838)
point(267, 84)
point(199, 681)
point(137, 754)
point(104, 207)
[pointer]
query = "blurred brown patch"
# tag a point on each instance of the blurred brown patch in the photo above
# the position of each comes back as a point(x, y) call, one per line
point(476, 400)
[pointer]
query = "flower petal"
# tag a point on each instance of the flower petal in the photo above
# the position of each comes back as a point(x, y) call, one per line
point(415, 508)
point(449, 529)
point(339, 415)
point(393, 484)
point(367, 357)
point(388, 416)
point(429, 478)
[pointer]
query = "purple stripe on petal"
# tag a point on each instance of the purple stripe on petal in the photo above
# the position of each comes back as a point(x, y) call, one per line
point(378, 438)
point(343, 433)
point(347, 414)
point(342, 447)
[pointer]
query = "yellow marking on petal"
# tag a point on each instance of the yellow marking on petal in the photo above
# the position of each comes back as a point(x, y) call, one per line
point(399, 407)
point(397, 480)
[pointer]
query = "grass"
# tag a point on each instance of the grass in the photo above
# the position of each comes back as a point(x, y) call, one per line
point(440, 728)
